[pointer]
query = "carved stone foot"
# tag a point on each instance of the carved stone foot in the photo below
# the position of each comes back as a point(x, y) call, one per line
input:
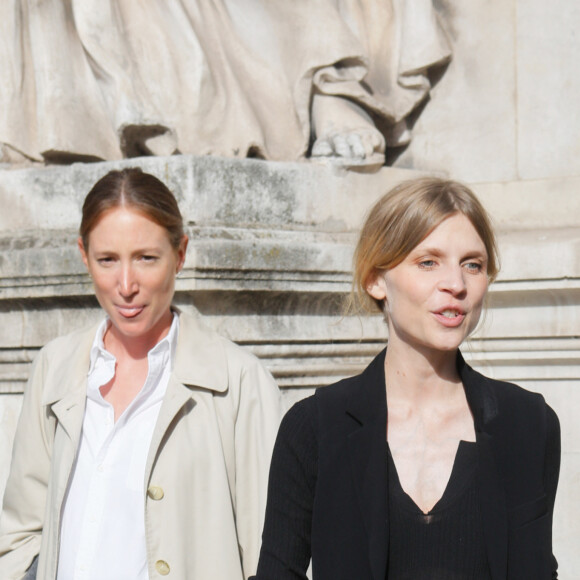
point(345, 134)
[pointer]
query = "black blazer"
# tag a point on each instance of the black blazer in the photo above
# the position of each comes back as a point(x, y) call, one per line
point(327, 496)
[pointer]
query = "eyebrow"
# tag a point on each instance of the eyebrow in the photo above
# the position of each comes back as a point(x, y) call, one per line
point(143, 250)
point(418, 252)
point(433, 251)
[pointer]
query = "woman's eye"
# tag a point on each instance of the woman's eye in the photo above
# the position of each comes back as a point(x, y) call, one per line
point(474, 267)
point(148, 258)
point(105, 261)
point(427, 264)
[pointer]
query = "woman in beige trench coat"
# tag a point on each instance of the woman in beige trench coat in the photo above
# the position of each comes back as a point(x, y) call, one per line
point(201, 481)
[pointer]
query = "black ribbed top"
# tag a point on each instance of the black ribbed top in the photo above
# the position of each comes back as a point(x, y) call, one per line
point(447, 543)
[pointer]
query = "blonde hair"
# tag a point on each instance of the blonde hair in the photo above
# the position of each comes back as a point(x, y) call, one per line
point(403, 218)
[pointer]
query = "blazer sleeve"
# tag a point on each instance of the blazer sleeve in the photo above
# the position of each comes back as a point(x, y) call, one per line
point(23, 511)
point(286, 551)
point(552, 470)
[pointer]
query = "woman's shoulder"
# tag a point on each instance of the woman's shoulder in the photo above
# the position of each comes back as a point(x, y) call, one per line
point(300, 416)
point(511, 394)
point(494, 397)
point(361, 395)
point(206, 358)
point(70, 344)
point(331, 408)
point(336, 395)
point(529, 407)
point(303, 416)
point(195, 333)
point(75, 337)
point(504, 392)
point(60, 363)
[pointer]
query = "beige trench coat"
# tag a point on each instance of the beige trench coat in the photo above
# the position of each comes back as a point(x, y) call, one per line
point(206, 473)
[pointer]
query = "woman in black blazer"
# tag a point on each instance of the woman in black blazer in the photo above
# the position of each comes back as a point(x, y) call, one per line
point(457, 480)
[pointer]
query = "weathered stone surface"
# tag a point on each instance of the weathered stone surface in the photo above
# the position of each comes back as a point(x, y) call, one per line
point(469, 127)
point(548, 86)
point(506, 108)
point(534, 204)
point(210, 190)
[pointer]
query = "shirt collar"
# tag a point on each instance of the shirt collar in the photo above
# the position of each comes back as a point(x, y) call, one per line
point(102, 362)
point(98, 348)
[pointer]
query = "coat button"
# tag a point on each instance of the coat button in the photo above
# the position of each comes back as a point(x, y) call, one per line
point(162, 567)
point(155, 492)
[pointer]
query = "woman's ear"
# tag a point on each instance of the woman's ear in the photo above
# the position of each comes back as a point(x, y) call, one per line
point(181, 251)
point(83, 252)
point(377, 287)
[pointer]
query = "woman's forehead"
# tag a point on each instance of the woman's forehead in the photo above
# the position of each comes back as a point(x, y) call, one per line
point(457, 230)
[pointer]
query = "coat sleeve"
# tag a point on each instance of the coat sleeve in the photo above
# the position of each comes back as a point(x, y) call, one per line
point(22, 518)
point(552, 470)
point(286, 549)
point(256, 424)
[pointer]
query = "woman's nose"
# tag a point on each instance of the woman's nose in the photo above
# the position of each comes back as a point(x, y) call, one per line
point(127, 281)
point(453, 281)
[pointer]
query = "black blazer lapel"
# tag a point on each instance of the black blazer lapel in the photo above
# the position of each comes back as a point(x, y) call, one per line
point(367, 408)
point(493, 502)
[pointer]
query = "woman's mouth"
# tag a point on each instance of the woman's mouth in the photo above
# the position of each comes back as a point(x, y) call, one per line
point(450, 313)
point(450, 317)
point(129, 311)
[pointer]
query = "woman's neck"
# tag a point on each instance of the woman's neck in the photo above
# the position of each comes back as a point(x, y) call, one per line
point(421, 376)
point(135, 347)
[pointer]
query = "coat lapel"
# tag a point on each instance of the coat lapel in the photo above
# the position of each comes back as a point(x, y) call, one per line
point(176, 397)
point(65, 395)
point(483, 406)
point(69, 411)
point(200, 362)
point(367, 451)
point(66, 386)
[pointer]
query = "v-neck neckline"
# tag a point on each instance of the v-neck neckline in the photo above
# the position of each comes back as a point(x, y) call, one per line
point(463, 467)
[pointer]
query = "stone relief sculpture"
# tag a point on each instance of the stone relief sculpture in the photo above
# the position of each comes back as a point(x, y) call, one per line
point(87, 80)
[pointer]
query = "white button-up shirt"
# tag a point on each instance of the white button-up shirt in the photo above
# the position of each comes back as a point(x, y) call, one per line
point(103, 521)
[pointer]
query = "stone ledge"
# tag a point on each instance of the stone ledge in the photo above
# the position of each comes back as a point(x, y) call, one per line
point(211, 191)
point(246, 193)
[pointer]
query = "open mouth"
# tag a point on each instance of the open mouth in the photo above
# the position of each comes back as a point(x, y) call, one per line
point(450, 317)
point(450, 313)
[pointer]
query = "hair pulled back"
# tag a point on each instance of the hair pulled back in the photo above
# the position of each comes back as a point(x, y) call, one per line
point(132, 188)
point(403, 218)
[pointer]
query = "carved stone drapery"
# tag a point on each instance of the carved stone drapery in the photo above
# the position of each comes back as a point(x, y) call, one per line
point(106, 79)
